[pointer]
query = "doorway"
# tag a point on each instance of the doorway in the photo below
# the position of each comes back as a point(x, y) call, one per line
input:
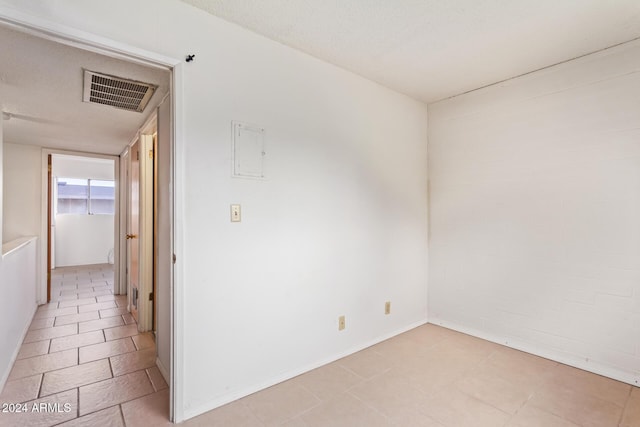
point(141, 217)
point(81, 213)
point(172, 205)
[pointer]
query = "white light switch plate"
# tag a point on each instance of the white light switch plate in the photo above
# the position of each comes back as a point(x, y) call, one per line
point(235, 213)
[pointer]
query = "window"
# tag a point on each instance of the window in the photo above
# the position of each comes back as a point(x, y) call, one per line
point(85, 196)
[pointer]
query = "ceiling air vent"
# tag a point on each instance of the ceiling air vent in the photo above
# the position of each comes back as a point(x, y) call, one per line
point(116, 91)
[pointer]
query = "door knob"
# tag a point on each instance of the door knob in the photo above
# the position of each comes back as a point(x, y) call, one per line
point(131, 236)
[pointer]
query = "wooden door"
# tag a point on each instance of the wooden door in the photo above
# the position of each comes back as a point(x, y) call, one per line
point(133, 246)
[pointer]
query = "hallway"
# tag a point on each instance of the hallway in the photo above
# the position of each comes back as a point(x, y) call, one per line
point(83, 352)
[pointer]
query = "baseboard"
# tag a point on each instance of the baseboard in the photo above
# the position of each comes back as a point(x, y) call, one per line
point(14, 356)
point(163, 370)
point(556, 356)
point(227, 398)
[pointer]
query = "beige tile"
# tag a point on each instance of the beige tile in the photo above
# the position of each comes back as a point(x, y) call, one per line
point(518, 367)
point(33, 349)
point(47, 362)
point(530, 416)
point(104, 298)
point(392, 394)
point(46, 322)
point(110, 417)
point(21, 390)
point(236, 414)
point(128, 319)
point(97, 306)
point(121, 332)
point(101, 285)
point(45, 334)
point(451, 407)
point(55, 312)
point(111, 392)
point(328, 381)
point(105, 349)
point(151, 410)
point(75, 318)
point(72, 303)
point(588, 383)
point(366, 363)
point(74, 341)
point(631, 416)
point(397, 348)
point(157, 380)
point(110, 312)
point(93, 325)
point(47, 307)
point(93, 294)
point(280, 403)
point(428, 335)
point(144, 340)
point(495, 391)
point(75, 376)
point(582, 409)
point(65, 405)
point(65, 297)
point(134, 361)
point(435, 371)
point(293, 422)
point(343, 410)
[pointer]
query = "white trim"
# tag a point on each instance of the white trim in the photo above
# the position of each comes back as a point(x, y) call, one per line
point(163, 370)
point(41, 277)
point(13, 245)
point(555, 355)
point(177, 294)
point(69, 36)
point(123, 206)
point(145, 238)
point(195, 411)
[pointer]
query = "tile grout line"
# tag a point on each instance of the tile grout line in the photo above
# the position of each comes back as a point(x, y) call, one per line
point(124, 421)
point(40, 386)
point(624, 408)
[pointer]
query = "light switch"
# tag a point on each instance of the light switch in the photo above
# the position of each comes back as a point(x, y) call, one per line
point(235, 213)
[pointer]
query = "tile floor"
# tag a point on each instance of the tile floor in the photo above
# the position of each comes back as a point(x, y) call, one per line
point(83, 350)
point(429, 376)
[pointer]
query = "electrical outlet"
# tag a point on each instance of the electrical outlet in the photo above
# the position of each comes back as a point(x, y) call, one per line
point(341, 323)
point(387, 307)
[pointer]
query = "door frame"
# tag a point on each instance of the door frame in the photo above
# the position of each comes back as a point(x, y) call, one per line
point(147, 215)
point(60, 33)
point(43, 293)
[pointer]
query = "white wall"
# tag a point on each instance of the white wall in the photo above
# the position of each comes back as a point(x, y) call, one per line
point(339, 226)
point(83, 239)
point(18, 302)
point(68, 166)
point(534, 208)
point(22, 191)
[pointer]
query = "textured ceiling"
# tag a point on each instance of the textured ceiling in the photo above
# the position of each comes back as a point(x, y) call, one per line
point(433, 49)
point(41, 86)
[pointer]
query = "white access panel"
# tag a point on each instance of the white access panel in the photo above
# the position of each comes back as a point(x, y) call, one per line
point(248, 151)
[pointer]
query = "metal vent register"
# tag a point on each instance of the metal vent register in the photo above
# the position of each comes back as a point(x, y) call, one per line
point(116, 91)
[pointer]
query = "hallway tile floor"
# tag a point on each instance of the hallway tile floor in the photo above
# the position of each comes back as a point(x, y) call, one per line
point(83, 351)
